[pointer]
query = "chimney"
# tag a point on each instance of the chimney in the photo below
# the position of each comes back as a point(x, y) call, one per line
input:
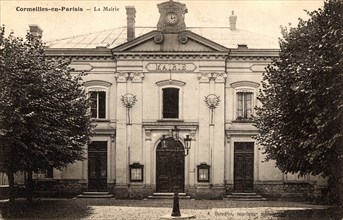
point(232, 20)
point(242, 46)
point(131, 15)
point(36, 31)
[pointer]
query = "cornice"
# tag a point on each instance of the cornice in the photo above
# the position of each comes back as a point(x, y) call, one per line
point(170, 82)
point(97, 83)
point(108, 54)
point(253, 54)
point(171, 55)
point(245, 83)
point(205, 41)
point(168, 125)
point(80, 53)
point(134, 42)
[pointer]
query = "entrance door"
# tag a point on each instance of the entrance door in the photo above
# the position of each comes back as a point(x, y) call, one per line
point(170, 166)
point(243, 166)
point(97, 166)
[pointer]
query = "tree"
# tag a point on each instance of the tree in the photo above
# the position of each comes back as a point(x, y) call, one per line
point(44, 111)
point(300, 120)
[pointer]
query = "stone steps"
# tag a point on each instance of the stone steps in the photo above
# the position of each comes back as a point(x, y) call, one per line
point(97, 195)
point(244, 197)
point(168, 196)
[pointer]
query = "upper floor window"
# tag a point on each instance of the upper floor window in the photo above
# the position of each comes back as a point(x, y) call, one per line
point(244, 99)
point(98, 92)
point(244, 104)
point(170, 99)
point(98, 104)
point(170, 103)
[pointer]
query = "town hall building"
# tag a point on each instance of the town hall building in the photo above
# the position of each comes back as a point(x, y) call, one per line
point(173, 107)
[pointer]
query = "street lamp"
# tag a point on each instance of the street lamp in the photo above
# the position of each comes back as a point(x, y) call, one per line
point(187, 141)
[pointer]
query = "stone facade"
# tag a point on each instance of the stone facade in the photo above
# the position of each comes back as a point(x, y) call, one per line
point(217, 87)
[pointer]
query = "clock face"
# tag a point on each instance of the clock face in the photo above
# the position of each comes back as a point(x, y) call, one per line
point(171, 18)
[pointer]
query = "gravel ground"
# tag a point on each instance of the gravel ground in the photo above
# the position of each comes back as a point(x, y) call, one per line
point(155, 209)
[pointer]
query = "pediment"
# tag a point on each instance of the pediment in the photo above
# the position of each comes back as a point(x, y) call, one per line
point(156, 41)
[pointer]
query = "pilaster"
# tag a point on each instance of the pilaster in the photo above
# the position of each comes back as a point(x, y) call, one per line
point(128, 147)
point(219, 129)
point(213, 133)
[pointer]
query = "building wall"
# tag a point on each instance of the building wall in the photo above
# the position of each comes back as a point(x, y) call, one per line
point(135, 140)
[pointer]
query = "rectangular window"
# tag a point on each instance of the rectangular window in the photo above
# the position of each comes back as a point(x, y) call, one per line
point(170, 103)
point(244, 105)
point(98, 104)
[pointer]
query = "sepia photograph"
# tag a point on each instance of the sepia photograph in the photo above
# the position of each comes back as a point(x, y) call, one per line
point(171, 109)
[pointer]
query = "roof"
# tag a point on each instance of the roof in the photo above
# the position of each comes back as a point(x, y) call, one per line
point(221, 35)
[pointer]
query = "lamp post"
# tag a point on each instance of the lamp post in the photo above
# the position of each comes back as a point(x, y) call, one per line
point(175, 135)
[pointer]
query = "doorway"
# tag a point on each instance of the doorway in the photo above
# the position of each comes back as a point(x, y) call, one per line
point(97, 166)
point(170, 166)
point(243, 166)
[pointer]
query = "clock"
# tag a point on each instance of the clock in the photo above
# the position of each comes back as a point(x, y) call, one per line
point(171, 18)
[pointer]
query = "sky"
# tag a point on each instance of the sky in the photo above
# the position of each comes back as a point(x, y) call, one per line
point(258, 16)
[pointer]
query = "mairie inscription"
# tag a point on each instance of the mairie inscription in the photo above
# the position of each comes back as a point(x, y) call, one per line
point(174, 67)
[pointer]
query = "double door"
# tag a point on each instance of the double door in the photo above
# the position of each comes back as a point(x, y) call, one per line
point(243, 166)
point(170, 167)
point(97, 166)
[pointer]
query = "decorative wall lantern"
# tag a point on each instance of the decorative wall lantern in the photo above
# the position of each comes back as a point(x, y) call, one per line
point(212, 101)
point(128, 101)
point(136, 172)
point(203, 173)
point(188, 142)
